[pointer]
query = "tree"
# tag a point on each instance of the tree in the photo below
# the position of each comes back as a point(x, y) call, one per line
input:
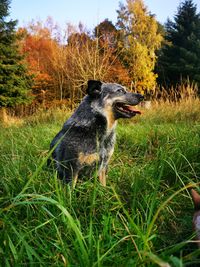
point(139, 40)
point(179, 59)
point(106, 32)
point(14, 81)
point(37, 44)
point(86, 60)
point(107, 36)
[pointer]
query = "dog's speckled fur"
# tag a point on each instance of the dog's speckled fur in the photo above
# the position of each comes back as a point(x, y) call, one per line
point(87, 138)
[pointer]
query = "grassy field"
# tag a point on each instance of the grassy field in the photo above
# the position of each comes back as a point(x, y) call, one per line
point(142, 218)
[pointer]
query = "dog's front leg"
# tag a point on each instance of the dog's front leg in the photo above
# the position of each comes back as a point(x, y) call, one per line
point(102, 176)
point(74, 181)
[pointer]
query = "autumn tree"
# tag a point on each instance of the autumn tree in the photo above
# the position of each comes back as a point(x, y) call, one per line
point(37, 45)
point(14, 81)
point(139, 40)
point(107, 36)
point(86, 60)
point(180, 56)
point(106, 32)
point(62, 65)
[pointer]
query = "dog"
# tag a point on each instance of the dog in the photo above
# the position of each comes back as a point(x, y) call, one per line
point(196, 216)
point(87, 138)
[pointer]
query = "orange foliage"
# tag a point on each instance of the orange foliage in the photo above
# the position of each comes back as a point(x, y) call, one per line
point(118, 74)
point(61, 67)
point(38, 49)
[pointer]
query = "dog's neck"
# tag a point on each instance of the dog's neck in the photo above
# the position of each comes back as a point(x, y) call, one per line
point(108, 115)
point(91, 116)
point(111, 121)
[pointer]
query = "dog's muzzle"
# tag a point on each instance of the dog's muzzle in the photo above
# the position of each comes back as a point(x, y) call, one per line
point(126, 108)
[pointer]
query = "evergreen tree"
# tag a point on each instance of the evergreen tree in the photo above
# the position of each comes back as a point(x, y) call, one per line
point(179, 59)
point(139, 40)
point(14, 81)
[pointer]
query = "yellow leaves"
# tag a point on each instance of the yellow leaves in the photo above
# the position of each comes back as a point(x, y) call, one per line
point(141, 43)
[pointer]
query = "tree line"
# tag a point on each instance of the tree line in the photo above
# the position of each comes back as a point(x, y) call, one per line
point(45, 65)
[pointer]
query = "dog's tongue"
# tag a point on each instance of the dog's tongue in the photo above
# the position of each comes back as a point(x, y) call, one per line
point(131, 108)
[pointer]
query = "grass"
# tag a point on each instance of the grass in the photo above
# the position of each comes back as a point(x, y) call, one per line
point(142, 218)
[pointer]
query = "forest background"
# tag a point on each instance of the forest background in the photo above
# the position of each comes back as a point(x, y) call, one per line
point(43, 65)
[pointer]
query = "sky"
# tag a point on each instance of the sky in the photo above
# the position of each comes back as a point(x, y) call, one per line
point(89, 12)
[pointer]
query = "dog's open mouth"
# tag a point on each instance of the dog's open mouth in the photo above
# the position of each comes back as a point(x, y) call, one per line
point(126, 109)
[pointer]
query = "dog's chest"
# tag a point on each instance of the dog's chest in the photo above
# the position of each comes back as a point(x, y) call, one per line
point(106, 146)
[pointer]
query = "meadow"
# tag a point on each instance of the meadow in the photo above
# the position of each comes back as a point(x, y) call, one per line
point(142, 218)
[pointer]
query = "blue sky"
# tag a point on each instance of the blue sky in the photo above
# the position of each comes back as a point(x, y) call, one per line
point(89, 12)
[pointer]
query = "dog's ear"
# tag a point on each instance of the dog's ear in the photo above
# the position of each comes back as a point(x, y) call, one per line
point(94, 88)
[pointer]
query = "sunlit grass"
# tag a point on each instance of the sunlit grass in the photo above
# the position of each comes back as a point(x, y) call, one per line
point(142, 218)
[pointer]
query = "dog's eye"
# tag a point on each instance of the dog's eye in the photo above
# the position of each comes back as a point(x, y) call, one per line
point(121, 91)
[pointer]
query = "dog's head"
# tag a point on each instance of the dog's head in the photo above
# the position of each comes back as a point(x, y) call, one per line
point(114, 97)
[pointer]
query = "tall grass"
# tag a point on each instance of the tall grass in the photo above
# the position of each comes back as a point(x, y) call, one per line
point(142, 218)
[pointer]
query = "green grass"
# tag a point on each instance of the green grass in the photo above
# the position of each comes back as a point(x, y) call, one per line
point(142, 218)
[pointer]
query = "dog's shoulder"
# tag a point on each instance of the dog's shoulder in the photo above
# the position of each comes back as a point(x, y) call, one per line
point(83, 116)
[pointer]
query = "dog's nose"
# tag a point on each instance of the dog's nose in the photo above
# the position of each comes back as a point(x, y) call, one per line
point(140, 97)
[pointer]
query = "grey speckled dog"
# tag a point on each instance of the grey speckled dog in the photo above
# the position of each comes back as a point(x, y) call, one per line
point(86, 141)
